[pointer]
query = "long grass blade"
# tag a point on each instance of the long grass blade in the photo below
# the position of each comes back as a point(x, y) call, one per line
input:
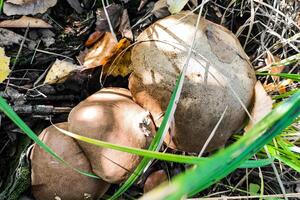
point(1, 6)
point(4, 107)
point(295, 77)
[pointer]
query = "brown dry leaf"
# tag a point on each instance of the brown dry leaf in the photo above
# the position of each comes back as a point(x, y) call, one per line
point(4, 65)
point(25, 22)
point(120, 61)
point(114, 12)
point(110, 55)
point(60, 70)
point(160, 9)
point(27, 7)
point(282, 86)
point(20, 2)
point(262, 105)
point(100, 52)
point(271, 87)
point(93, 38)
point(274, 69)
point(125, 28)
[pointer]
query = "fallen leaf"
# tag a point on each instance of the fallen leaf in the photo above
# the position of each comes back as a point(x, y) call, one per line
point(114, 13)
point(261, 107)
point(119, 62)
point(270, 59)
point(280, 87)
point(27, 7)
point(75, 4)
point(8, 37)
point(160, 9)
point(59, 71)
point(110, 55)
point(100, 52)
point(93, 38)
point(271, 87)
point(20, 2)
point(276, 70)
point(4, 65)
point(25, 22)
point(125, 28)
point(283, 85)
point(175, 6)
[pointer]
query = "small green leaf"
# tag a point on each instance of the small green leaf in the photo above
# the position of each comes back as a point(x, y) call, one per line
point(254, 188)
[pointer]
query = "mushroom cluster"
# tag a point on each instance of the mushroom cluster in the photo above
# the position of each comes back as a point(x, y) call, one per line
point(219, 79)
point(108, 115)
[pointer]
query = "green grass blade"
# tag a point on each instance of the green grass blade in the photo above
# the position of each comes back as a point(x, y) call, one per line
point(288, 160)
point(4, 107)
point(146, 153)
point(290, 60)
point(158, 155)
point(1, 6)
point(227, 160)
point(163, 129)
point(284, 95)
point(158, 139)
point(295, 77)
point(140, 152)
point(256, 163)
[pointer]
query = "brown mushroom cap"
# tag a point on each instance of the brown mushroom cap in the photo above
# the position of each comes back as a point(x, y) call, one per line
point(155, 179)
point(217, 64)
point(111, 115)
point(51, 179)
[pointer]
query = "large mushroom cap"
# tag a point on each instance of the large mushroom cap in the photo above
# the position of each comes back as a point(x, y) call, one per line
point(52, 179)
point(219, 71)
point(111, 115)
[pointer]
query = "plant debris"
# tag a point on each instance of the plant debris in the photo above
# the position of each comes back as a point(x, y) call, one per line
point(4, 65)
point(25, 22)
point(28, 7)
point(59, 71)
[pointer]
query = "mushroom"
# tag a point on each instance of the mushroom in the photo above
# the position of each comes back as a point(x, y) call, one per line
point(52, 179)
point(155, 179)
point(219, 74)
point(111, 115)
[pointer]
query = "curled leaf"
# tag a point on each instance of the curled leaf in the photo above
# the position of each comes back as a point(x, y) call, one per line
point(100, 52)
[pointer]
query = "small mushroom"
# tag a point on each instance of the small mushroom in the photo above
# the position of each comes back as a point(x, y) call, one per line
point(53, 180)
point(219, 71)
point(155, 179)
point(111, 115)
